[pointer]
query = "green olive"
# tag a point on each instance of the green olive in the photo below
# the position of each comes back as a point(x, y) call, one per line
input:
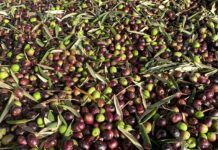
point(96, 94)
point(191, 142)
point(91, 90)
point(120, 124)
point(96, 132)
point(154, 31)
point(148, 127)
point(62, 129)
point(100, 118)
point(108, 90)
point(37, 95)
point(199, 114)
point(182, 126)
point(146, 94)
point(3, 75)
point(113, 69)
point(185, 135)
point(15, 67)
point(7, 139)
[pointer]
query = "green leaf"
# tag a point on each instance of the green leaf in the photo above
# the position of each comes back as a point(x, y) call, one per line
point(148, 116)
point(192, 96)
point(174, 82)
point(14, 77)
point(7, 108)
point(51, 116)
point(62, 119)
point(47, 32)
point(118, 108)
point(71, 110)
point(22, 121)
point(45, 76)
point(95, 75)
point(56, 31)
point(68, 16)
point(29, 96)
point(69, 131)
point(131, 138)
point(5, 86)
point(160, 52)
point(42, 78)
point(40, 43)
point(157, 105)
point(145, 137)
point(46, 54)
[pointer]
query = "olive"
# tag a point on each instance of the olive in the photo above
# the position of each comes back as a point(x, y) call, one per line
point(89, 118)
point(99, 145)
point(161, 134)
point(32, 141)
point(16, 111)
point(96, 132)
point(182, 126)
point(22, 140)
point(100, 118)
point(7, 139)
point(204, 144)
point(68, 145)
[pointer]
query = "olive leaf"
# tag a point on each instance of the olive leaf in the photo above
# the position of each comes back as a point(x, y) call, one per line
point(192, 96)
point(45, 55)
point(145, 137)
point(42, 78)
point(47, 32)
point(148, 116)
point(51, 116)
point(118, 108)
point(131, 138)
point(174, 82)
point(95, 75)
point(14, 77)
point(39, 42)
point(25, 93)
point(21, 121)
point(157, 105)
point(77, 114)
point(49, 129)
point(5, 86)
point(7, 108)
point(69, 131)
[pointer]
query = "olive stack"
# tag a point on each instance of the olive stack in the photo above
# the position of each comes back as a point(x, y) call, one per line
point(108, 75)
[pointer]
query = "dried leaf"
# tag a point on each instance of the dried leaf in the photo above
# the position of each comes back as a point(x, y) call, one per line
point(131, 138)
point(7, 108)
point(118, 108)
